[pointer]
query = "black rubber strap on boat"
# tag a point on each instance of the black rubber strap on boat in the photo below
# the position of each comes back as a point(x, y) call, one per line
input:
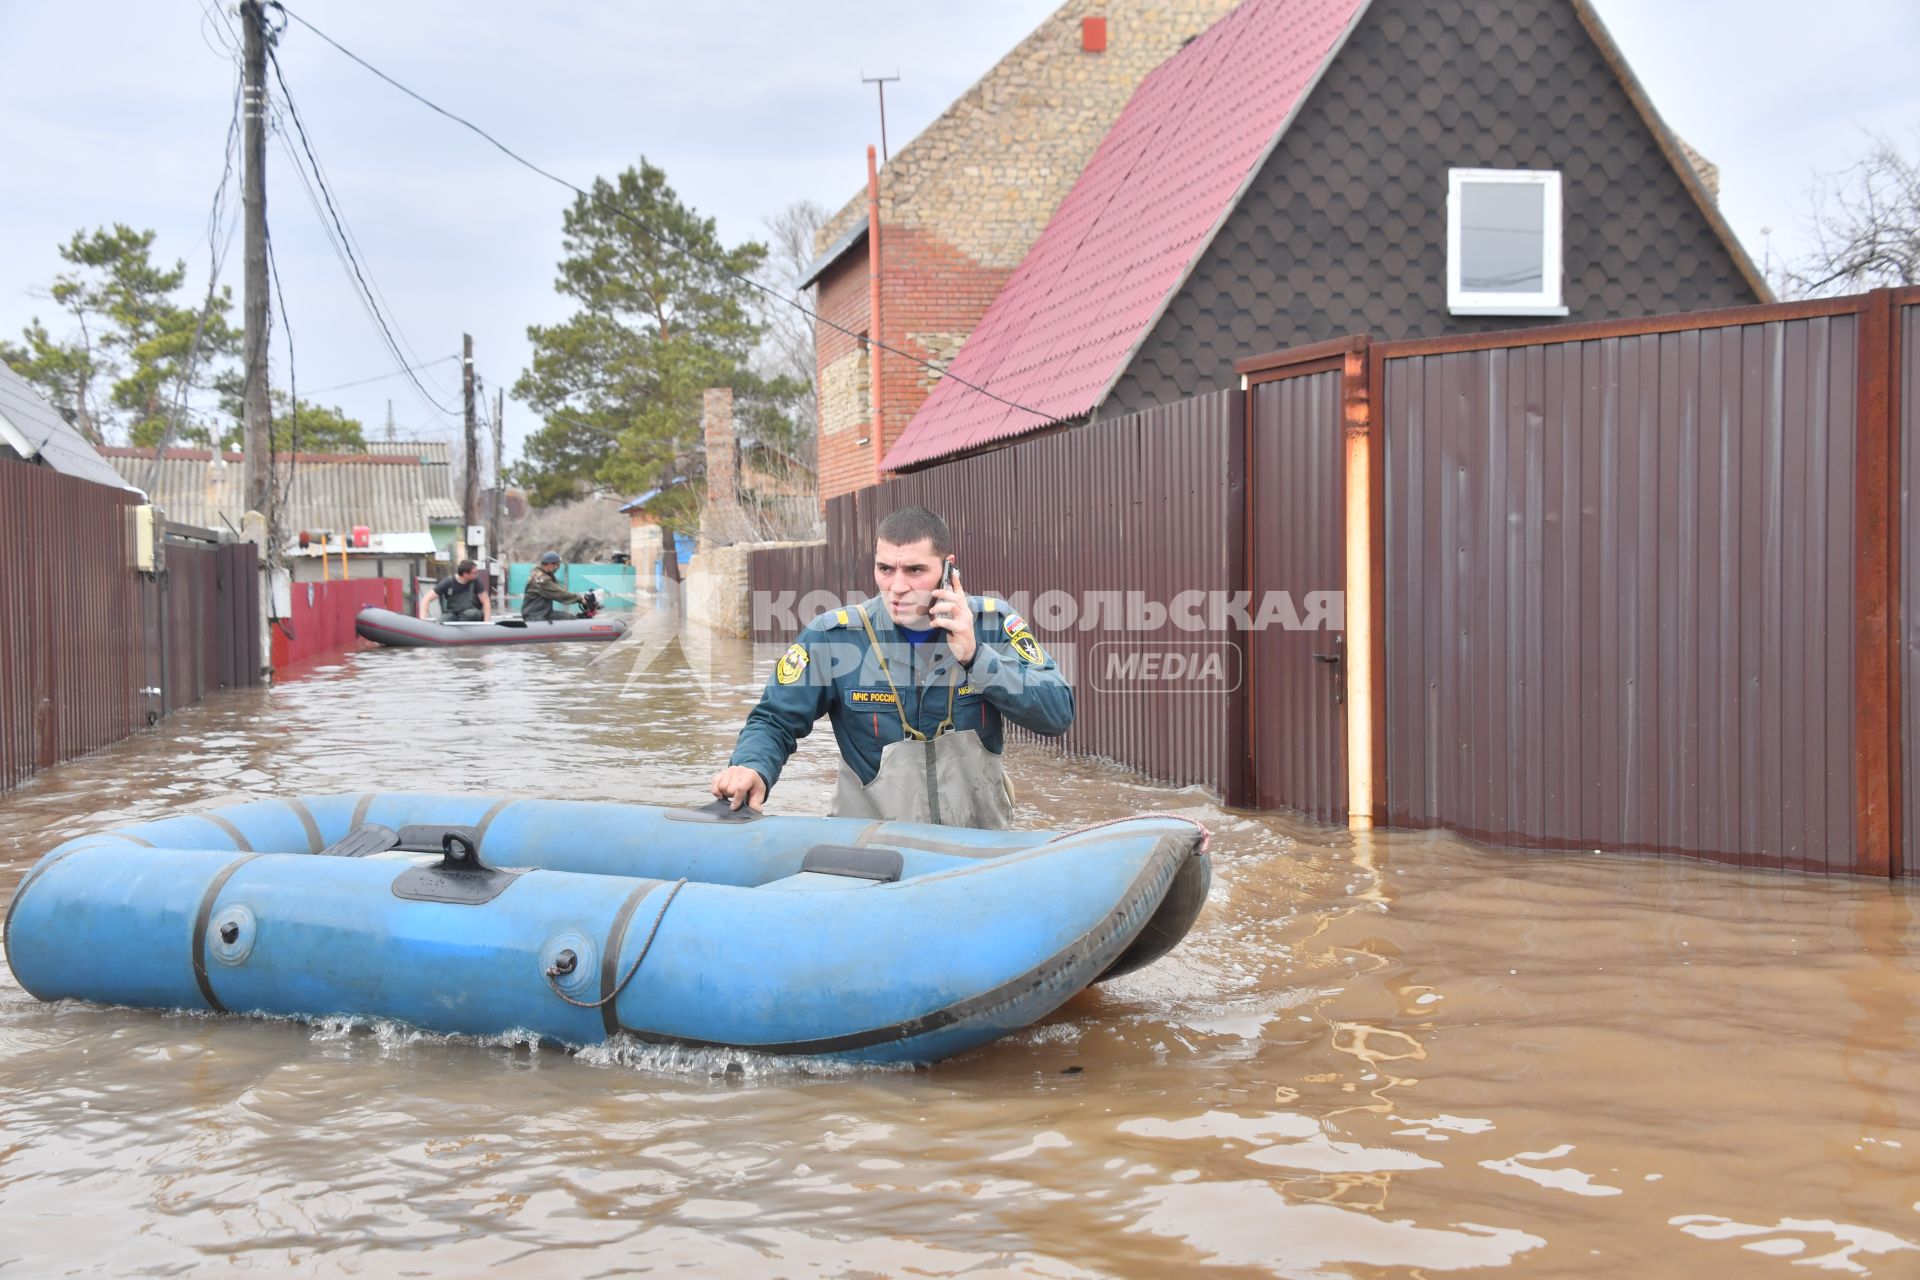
point(360, 810)
point(200, 921)
point(486, 819)
point(240, 842)
point(610, 955)
point(314, 843)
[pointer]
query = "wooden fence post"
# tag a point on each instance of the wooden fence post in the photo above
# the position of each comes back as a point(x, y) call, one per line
point(1877, 708)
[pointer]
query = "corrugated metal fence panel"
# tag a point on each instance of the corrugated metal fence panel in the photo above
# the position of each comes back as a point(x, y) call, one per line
point(1908, 356)
point(68, 662)
point(83, 632)
point(1297, 479)
point(1619, 584)
point(1138, 504)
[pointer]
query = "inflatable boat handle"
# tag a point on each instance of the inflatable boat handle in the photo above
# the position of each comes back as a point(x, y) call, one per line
point(459, 847)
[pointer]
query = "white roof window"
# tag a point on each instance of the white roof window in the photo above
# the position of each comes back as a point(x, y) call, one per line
point(1504, 243)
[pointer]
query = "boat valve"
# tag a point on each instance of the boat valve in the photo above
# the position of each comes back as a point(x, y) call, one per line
point(230, 933)
point(564, 964)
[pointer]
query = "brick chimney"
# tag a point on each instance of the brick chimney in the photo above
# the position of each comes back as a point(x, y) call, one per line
point(720, 521)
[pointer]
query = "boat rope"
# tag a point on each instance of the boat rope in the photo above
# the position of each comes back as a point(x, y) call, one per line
point(553, 972)
point(1206, 836)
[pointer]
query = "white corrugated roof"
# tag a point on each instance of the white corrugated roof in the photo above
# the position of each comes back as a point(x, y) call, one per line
point(387, 493)
point(437, 457)
point(35, 429)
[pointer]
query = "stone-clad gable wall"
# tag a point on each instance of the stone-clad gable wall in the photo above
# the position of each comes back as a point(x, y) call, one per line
point(962, 203)
point(1344, 229)
point(988, 173)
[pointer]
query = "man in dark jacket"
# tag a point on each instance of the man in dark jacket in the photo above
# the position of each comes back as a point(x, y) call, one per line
point(462, 595)
point(545, 594)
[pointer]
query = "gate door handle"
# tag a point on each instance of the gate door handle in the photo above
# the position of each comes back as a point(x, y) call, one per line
point(1333, 660)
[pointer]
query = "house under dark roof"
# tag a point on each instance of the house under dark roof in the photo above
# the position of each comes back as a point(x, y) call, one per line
point(1309, 168)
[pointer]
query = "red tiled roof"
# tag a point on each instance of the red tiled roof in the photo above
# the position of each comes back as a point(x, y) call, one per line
point(1169, 171)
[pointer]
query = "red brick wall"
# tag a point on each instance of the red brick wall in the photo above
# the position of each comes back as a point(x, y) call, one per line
point(932, 296)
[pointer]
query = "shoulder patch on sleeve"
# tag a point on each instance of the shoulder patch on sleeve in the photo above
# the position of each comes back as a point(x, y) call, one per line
point(792, 664)
point(1013, 624)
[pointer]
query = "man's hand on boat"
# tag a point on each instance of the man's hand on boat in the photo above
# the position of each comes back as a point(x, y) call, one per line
point(738, 784)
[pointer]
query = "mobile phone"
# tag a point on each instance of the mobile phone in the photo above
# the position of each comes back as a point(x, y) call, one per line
point(946, 574)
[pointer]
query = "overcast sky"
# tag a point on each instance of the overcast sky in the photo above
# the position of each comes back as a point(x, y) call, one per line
point(117, 111)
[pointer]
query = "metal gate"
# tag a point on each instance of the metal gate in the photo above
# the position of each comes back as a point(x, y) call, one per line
point(1297, 663)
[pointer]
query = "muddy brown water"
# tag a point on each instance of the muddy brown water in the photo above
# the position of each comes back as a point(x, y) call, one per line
point(1392, 1056)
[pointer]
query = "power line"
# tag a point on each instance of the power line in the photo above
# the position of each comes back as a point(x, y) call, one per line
point(412, 358)
point(285, 493)
point(380, 377)
point(216, 256)
point(333, 214)
point(655, 236)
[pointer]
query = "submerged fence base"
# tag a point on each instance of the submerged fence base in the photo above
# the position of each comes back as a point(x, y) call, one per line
point(1634, 586)
point(321, 616)
point(91, 646)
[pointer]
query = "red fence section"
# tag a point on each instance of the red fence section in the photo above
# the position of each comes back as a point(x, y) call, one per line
point(321, 619)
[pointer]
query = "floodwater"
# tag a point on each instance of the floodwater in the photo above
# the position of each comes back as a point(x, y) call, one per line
point(1389, 1056)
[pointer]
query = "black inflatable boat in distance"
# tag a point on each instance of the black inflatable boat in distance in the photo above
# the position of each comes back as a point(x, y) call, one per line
point(384, 626)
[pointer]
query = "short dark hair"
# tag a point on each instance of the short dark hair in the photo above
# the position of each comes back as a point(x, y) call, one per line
point(466, 566)
point(912, 524)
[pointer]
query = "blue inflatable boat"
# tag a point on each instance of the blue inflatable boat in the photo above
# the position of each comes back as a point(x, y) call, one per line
point(581, 922)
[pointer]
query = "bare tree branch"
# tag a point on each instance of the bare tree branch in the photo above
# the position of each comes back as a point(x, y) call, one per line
point(1864, 222)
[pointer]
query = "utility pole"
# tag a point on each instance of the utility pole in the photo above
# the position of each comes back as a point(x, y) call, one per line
point(257, 479)
point(499, 475)
point(881, 83)
point(473, 443)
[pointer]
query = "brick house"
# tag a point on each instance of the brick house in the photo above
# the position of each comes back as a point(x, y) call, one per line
point(961, 204)
point(1312, 168)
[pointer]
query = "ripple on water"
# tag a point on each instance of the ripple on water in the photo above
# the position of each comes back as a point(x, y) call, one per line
point(1392, 1054)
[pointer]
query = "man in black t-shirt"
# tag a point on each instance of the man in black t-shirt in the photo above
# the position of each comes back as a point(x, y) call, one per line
point(462, 596)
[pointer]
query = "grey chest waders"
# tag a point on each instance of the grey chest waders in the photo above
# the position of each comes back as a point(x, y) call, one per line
point(947, 777)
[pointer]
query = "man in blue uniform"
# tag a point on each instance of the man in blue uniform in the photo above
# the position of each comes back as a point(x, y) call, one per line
point(918, 683)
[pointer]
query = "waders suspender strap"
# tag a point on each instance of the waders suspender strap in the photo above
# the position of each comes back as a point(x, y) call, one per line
point(899, 708)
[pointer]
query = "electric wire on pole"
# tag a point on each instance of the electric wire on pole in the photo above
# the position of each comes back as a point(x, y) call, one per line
point(256, 481)
point(667, 242)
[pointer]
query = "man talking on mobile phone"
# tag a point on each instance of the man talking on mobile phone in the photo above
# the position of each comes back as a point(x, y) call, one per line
point(918, 682)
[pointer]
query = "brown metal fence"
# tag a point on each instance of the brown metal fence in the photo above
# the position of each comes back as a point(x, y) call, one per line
point(1620, 596)
point(1296, 487)
point(84, 634)
point(1636, 586)
point(1148, 505)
